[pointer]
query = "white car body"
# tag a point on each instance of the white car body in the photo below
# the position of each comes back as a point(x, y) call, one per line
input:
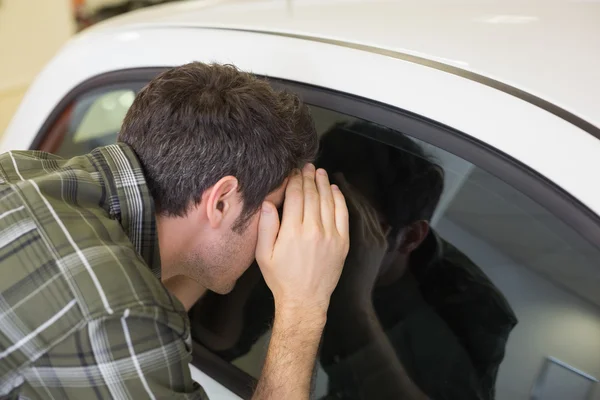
point(521, 77)
point(377, 50)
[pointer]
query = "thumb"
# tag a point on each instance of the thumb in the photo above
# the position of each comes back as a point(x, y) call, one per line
point(268, 228)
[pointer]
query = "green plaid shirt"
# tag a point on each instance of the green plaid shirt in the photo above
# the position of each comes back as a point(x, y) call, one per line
point(83, 313)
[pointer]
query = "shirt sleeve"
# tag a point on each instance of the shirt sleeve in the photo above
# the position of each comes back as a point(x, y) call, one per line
point(124, 356)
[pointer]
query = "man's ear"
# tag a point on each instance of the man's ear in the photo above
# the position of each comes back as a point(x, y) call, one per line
point(220, 200)
point(413, 236)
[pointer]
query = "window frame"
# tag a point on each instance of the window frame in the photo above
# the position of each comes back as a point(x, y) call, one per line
point(520, 177)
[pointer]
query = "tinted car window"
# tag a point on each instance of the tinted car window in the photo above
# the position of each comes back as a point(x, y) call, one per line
point(457, 286)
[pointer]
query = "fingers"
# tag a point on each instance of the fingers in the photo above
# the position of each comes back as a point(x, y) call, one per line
point(293, 207)
point(310, 198)
point(326, 200)
point(364, 220)
point(348, 192)
point(341, 212)
point(312, 206)
point(268, 227)
point(350, 197)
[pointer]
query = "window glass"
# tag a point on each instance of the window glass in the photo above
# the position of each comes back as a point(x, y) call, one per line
point(92, 120)
point(463, 288)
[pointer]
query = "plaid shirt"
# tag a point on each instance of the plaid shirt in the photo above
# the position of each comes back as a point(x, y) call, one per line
point(83, 313)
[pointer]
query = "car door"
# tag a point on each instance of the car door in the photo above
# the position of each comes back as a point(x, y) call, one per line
point(519, 316)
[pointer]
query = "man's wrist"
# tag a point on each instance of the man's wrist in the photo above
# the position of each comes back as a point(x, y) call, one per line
point(301, 313)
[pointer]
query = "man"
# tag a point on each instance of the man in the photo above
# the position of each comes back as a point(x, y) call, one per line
point(188, 197)
point(426, 321)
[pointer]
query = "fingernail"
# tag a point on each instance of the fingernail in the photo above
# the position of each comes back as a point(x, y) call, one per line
point(321, 171)
point(335, 187)
point(266, 209)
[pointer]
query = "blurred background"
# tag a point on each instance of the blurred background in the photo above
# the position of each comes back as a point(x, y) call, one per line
point(32, 31)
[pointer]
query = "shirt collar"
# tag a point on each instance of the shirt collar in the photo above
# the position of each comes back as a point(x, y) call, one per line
point(127, 199)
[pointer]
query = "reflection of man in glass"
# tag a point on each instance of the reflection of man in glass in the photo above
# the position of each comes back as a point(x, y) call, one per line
point(403, 287)
point(412, 317)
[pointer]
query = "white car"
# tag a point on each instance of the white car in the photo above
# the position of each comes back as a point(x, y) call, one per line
point(504, 94)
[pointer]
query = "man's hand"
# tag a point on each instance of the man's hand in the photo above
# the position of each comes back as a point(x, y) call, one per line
point(301, 262)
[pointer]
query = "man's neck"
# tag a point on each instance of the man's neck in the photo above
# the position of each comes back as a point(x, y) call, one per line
point(169, 244)
point(172, 243)
point(185, 289)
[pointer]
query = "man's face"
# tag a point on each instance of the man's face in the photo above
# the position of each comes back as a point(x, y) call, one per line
point(219, 260)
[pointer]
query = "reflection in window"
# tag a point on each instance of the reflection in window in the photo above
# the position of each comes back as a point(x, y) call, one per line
point(456, 286)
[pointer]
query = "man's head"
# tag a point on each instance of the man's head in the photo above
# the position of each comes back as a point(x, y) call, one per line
point(402, 183)
point(215, 143)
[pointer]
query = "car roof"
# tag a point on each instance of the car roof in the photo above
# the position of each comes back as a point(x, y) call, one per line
point(547, 48)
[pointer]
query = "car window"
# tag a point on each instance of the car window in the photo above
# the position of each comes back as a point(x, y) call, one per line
point(93, 119)
point(462, 287)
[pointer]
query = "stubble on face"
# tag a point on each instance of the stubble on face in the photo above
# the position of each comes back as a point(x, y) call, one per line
point(218, 265)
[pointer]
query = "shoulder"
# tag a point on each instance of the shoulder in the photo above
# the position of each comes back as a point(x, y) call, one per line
point(50, 300)
point(114, 277)
point(138, 350)
point(19, 165)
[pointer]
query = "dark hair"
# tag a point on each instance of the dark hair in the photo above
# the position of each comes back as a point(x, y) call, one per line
point(194, 124)
point(403, 183)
